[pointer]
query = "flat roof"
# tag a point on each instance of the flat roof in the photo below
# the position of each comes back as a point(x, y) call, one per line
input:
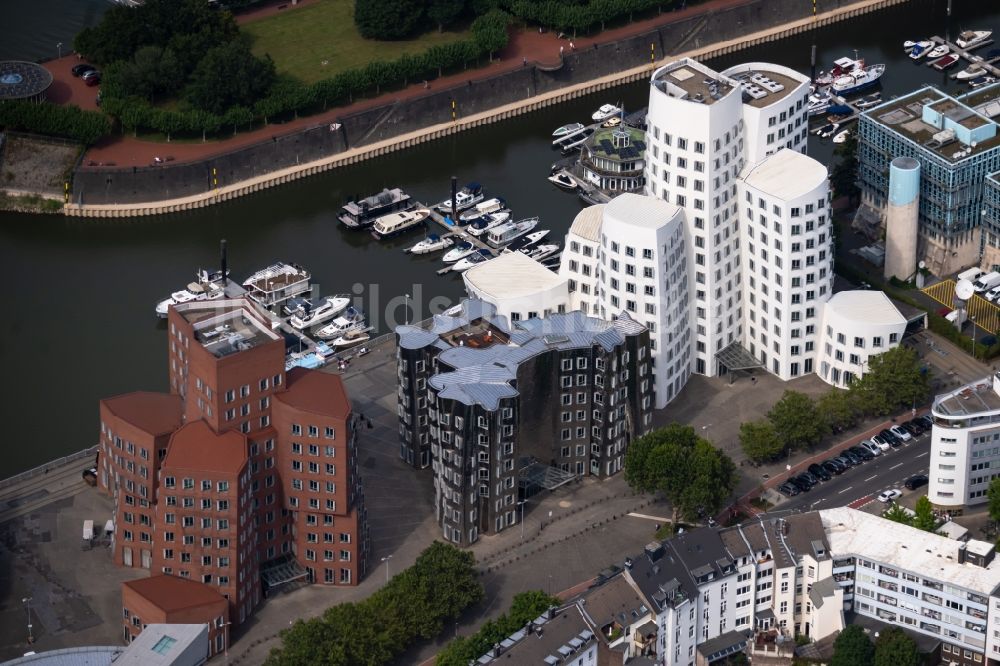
point(173, 593)
point(978, 397)
point(587, 223)
point(511, 275)
point(556, 640)
point(787, 174)
point(163, 644)
point(607, 143)
point(639, 210)
point(154, 413)
point(870, 306)
point(692, 81)
point(227, 326)
point(922, 553)
point(764, 84)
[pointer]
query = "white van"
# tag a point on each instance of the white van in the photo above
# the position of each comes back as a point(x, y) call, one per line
point(987, 282)
point(971, 274)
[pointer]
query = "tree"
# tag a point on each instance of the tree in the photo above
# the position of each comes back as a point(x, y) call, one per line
point(852, 648)
point(895, 648)
point(796, 420)
point(388, 19)
point(444, 12)
point(838, 409)
point(692, 474)
point(490, 31)
point(925, 520)
point(759, 441)
point(993, 493)
point(228, 75)
point(844, 176)
point(894, 378)
point(897, 514)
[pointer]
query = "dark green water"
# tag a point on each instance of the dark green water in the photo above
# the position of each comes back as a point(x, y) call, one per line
point(78, 320)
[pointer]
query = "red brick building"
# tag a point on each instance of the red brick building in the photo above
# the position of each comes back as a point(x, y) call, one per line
point(242, 476)
point(162, 599)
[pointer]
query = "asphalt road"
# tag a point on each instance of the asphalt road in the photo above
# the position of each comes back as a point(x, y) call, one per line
point(860, 485)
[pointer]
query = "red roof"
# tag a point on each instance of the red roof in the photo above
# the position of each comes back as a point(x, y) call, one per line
point(195, 446)
point(154, 413)
point(317, 392)
point(172, 593)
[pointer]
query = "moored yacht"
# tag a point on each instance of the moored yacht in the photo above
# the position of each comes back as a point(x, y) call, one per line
point(477, 257)
point(528, 240)
point(563, 180)
point(494, 205)
point(467, 197)
point(605, 112)
point(328, 308)
point(567, 129)
point(432, 243)
point(461, 249)
point(357, 214)
point(487, 222)
point(277, 283)
point(393, 224)
point(967, 39)
point(858, 80)
point(350, 320)
point(505, 233)
point(208, 286)
point(541, 252)
point(352, 337)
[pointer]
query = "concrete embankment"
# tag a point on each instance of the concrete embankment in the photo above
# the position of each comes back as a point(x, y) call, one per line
point(158, 190)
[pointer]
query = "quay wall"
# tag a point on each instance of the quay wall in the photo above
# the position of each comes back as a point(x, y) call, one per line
point(170, 188)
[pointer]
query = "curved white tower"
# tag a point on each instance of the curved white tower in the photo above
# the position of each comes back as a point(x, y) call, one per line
point(901, 218)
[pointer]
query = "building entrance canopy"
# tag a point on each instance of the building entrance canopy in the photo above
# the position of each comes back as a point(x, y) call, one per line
point(736, 357)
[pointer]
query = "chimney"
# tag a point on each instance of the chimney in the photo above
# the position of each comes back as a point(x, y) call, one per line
point(961, 554)
point(454, 195)
point(223, 260)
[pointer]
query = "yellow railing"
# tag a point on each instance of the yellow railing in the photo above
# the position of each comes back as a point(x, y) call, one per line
point(986, 314)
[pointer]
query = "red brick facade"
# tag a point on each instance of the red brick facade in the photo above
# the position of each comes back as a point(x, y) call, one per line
point(163, 599)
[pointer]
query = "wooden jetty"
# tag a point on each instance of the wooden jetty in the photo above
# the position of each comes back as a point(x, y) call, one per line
point(966, 55)
point(459, 233)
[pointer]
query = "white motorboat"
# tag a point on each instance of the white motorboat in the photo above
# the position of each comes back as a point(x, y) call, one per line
point(613, 121)
point(841, 66)
point(296, 307)
point(462, 249)
point(541, 252)
point(968, 39)
point(868, 101)
point(575, 141)
point(328, 308)
point(399, 222)
point(432, 243)
point(572, 128)
point(350, 320)
point(477, 257)
point(207, 287)
point(494, 205)
point(605, 112)
point(841, 136)
point(353, 337)
point(357, 214)
point(277, 283)
point(938, 51)
point(488, 222)
point(981, 81)
point(466, 197)
point(564, 180)
point(972, 71)
point(818, 104)
point(858, 80)
point(323, 350)
point(908, 45)
point(505, 233)
point(568, 137)
point(920, 49)
point(829, 130)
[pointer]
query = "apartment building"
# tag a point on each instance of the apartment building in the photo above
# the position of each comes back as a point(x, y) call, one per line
point(965, 444)
point(955, 141)
point(169, 600)
point(243, 476)
point(502, 408)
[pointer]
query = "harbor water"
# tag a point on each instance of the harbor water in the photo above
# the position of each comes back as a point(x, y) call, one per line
point(78, 320)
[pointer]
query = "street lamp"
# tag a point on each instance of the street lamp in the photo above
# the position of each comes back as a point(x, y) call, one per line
point(521, 506)
point(386, 560)
point(27, 606)
point(59, 48)
point(225, 644)
point(406, 311)
point(973, 320)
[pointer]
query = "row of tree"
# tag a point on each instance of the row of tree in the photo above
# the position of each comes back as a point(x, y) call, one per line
point(694, 476)
point(922, 518)
point(892, 648)
point(70, 122)
point(894, 379)
point(415, 604)
point(231, 94)
point(526, 606)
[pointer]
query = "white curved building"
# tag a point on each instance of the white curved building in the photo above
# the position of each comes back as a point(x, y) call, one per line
point(787, 260)
point(518, 286)
point(856, 326)
point(965, 444)
point(630, 256)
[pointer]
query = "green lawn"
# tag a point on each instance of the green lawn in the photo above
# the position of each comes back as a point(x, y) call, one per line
point(302, 39)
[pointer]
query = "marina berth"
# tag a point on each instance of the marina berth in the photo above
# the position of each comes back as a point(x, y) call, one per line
point(466, 197)
point(505, 233)
point(394, 224)
point(494, 205)
point(351, 319)
point(328, 308)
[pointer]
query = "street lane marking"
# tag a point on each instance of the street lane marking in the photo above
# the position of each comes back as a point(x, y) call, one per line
point(647, 517)
point(923, 454)
point(845, 490)
point(871, 477)
point(895, 466)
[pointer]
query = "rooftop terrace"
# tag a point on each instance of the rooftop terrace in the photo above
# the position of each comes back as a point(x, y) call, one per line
point(764, 85)
point(690, 80)
point(976, 398)
point(228, 326)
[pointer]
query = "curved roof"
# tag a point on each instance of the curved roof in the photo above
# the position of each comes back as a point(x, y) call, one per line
point(153, 413)
point(511, 275)
point(638, 210)
point(787, 175)
point(22, 80)
point(871, 307)
point(587, 223)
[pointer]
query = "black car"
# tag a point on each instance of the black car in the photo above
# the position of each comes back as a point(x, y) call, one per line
point(862, 453)
point(817, 470)
point(913, 428)
point(81, 69)
point(833, 468)
point(812, 478)
point(789, 489)
point(845, 461)
point(852, 456)
point(891, 437)
point(915, 481)
point(800, 483)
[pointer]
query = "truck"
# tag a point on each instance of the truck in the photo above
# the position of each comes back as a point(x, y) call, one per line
point(986, 282)
point(971, 274)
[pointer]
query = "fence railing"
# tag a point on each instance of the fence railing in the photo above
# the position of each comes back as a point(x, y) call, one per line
point(48, 467)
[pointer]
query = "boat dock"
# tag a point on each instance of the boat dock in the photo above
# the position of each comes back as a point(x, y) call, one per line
point(459, 233)
point(990, 65)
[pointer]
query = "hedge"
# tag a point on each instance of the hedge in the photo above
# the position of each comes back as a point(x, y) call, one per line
point(70, 122)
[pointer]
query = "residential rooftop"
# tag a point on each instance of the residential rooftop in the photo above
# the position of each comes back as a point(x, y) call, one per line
point(866, 305)
point(151, 412)
point(615, 601)
point(620, 143)
point(195, 446)
point(979, 397)
point(641, 211)
point(587, 223)
point(165, 644)
point(315, 392)
point(549, 640)
point(787, 175)
point(173, 593)
point(228, 326)
point(511, 275)
point(691, 81)
point(764, 83)
point(906, 548)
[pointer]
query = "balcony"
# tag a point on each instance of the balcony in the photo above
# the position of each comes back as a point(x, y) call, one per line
point(931, 598)
point(887, 571)
point(886, 585)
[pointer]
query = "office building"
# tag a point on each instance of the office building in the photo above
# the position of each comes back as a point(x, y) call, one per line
point(965, 445)
point(991, 223)
point(518, 287)
point(244, 476)
point(501, 409)
point(171, 600)
point(955, 141)
point(856, 325)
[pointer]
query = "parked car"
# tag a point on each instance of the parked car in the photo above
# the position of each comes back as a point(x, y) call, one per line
point(845, 461)
point(801, 483)
point(914, 428)
point(833, 468)
point(901, 432)
point(872, 446)
point(916, 481)
point(92, 78)
point(789, 489)
point(82, 68)
point(926, 421)
point(852, 456)
point(817, 470)
point(881, 442)
point(813, 479)
point(889, 495)
point(862, 453)
point(890, 437)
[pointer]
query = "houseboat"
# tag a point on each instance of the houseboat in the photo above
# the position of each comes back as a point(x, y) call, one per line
point(394, 224)
point(358, 214)
point(277, 283)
